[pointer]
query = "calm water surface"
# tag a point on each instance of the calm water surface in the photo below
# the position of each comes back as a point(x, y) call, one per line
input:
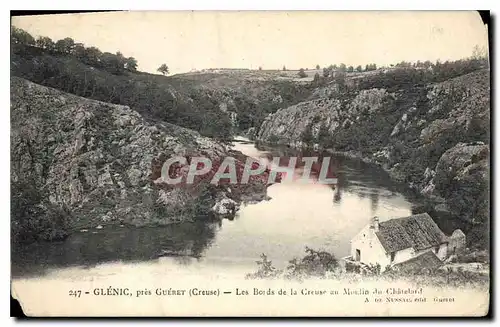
point(298, 215)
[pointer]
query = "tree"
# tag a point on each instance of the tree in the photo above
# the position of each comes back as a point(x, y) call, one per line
point(45, 43)
point(403, 64)
point(131, 64)
point(326, 72)
point(93, 56)
point(317, 79)
point(359, 68)
point(427, 64)
point(260, 67)
point(301, 73)
point(370, 67)
point(65, 46)
point(34, 217)
point(339, 78)
point(163, 69)
point(314, 263)
point(79, 51)
point(479, 53)
point(121, 59)
point(266, 269)
point(112, 63)
point(20, 36)
point(318, 67)
point(284, 68)
point(350, 69)
point(342, 68)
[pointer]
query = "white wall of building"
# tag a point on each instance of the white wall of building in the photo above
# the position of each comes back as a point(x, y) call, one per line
point(443, 251)
point(372, 251)
point(403, 255)
point(440, 252)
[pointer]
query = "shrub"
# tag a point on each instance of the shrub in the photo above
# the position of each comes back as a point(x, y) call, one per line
point(33, 218)
point(313, 264)
point(266, 269)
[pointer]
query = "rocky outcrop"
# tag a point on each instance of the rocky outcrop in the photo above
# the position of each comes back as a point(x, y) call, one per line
point(250, 133)
point(225, 207)
point(462, 178)
point(432, 137)
point(95, 163)
point(307, 122)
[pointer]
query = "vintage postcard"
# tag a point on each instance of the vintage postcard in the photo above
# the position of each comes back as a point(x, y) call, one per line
point(250, 164)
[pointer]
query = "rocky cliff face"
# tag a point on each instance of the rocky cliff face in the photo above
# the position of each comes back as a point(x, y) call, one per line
point(433, 137)
point(461, 177)
point(79, 163)
point(308, 122)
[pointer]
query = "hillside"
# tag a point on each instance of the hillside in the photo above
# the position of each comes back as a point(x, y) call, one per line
point(215, 104)
point(80, 163)
point(434, 137)
point(426, 124)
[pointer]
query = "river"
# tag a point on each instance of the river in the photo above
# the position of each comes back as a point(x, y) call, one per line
point(297, 215)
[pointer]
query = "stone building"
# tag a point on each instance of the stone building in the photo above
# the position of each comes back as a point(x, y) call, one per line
point(399, 240)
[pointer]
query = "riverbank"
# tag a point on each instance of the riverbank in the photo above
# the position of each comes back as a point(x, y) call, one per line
point(433, 138)
point(293, 215)
point(84, 164)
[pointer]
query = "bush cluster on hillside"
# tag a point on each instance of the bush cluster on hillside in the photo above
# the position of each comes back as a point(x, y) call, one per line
point(88, 72)
point(36, 218)
point(116, 63)
point(313, 264)
point(113, 78)
point(406, 75)
point(153, 97)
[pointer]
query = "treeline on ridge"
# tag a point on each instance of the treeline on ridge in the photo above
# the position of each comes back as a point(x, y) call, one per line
point(403, 74)
point(92, 56)
point(89, 73)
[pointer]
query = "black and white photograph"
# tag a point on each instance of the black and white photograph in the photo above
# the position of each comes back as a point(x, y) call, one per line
point(250, 164)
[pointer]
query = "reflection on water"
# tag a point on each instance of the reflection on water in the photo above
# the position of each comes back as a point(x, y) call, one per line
point(312, 214)
point(87, 249)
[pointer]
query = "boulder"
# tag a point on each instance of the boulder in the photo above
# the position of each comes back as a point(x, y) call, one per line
point(225, 207)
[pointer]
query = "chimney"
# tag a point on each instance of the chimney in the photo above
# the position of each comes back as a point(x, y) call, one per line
point(374, 224)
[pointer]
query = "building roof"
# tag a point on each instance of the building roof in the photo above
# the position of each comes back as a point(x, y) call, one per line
point(426, 260)
point(418, 231)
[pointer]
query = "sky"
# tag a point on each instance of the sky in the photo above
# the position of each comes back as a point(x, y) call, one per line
point(187, 40)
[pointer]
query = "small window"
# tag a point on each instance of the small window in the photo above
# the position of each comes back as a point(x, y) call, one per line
point(393, 255)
